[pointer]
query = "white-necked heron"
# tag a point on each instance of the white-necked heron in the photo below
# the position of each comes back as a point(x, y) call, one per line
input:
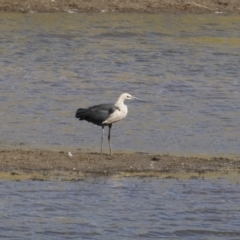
point(105, 115)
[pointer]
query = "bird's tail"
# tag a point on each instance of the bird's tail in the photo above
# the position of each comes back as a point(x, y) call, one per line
point(80, 113)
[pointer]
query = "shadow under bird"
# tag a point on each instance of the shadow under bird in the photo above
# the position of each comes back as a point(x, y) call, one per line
point(105, 115)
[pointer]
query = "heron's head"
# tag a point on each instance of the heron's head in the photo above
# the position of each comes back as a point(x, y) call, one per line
point(127, 96)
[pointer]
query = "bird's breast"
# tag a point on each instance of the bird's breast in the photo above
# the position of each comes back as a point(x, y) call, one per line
point(117, 115)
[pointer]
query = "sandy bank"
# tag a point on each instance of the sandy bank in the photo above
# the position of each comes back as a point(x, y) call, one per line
point(45, 165)
point(148, 6)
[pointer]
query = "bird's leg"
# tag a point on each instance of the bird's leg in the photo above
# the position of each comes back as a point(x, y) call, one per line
point(109, 138)
point(102, 138)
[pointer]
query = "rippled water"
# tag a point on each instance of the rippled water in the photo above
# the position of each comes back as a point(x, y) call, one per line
point(120, 209)
point(184, 67)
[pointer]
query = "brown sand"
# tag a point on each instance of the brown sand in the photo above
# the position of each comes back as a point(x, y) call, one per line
point(45, 165)
point(148, 6)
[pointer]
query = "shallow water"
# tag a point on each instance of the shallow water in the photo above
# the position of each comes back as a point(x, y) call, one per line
point(120, 209)
point(184, 67)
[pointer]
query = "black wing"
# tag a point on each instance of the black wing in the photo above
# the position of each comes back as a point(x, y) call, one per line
point(96, 114)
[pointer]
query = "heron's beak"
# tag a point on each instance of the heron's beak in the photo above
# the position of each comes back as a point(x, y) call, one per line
point(136, 98)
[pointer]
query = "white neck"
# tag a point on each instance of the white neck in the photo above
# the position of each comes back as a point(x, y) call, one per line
point(120, 104)
point(120, 113)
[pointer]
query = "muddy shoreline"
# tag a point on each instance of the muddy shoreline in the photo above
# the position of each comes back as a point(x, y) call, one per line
point(58, 165)
point(140, 6)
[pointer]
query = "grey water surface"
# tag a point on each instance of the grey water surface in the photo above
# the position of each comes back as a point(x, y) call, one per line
point(120, 209)
point(184, 67)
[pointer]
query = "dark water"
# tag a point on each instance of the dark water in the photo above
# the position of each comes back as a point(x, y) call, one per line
point(185, 67)
point(120, 209)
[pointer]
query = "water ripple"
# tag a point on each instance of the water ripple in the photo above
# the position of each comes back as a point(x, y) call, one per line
point(185, 68)
point(126, 208)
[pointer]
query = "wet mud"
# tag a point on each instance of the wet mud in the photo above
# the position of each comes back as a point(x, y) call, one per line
point(60, 165)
